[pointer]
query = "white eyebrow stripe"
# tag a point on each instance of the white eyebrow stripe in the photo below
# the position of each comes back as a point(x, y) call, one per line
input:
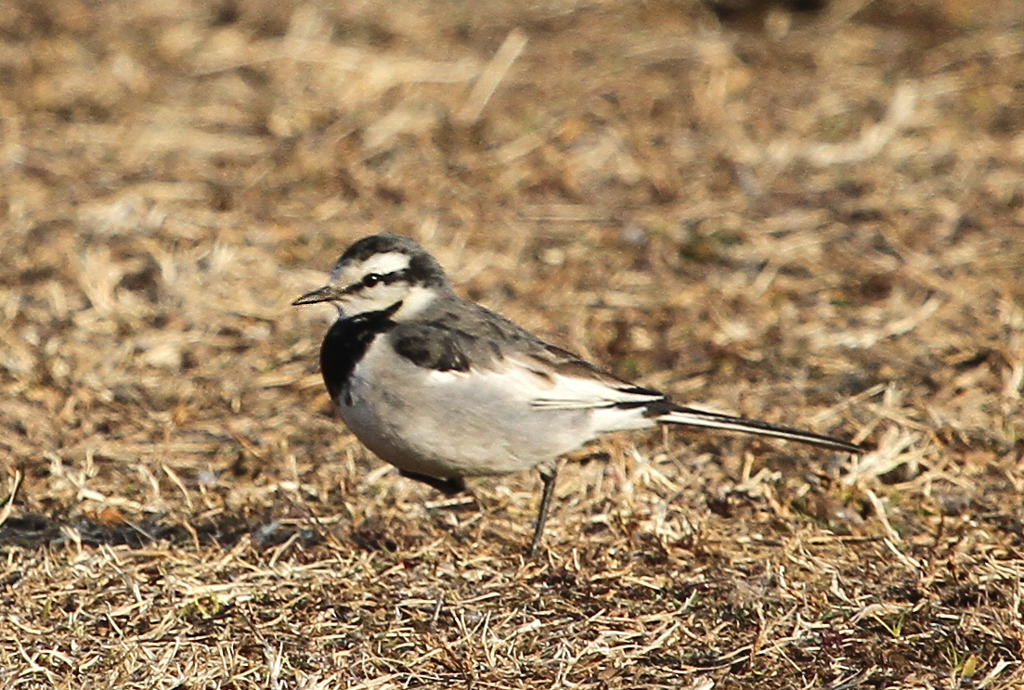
point(389, 262)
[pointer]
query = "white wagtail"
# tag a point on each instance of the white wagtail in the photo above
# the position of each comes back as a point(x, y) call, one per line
point(444, 389)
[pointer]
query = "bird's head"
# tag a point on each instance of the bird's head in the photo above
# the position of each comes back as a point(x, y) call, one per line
point(381, 273)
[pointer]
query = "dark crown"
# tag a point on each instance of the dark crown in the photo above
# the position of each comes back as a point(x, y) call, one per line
point(423, 268)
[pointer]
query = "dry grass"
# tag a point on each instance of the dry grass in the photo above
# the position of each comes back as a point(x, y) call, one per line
point(816, 219)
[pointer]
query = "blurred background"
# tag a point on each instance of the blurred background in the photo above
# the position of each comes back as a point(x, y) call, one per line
point(810, 212)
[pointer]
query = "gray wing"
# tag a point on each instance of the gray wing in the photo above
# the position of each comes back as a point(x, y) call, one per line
point(432, 346)
point(459, 336)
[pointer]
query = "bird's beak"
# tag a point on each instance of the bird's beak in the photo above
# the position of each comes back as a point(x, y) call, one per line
point(324, 294)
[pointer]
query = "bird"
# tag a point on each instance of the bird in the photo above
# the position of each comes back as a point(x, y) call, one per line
point(445, 389)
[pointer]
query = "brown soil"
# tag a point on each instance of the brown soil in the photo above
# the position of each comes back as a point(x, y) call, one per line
point(806, 212)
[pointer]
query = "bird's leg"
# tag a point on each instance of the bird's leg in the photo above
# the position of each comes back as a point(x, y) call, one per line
point(548, 477)
point(449, 486)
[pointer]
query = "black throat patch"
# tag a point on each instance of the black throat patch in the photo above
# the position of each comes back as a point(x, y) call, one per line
point(346, 344)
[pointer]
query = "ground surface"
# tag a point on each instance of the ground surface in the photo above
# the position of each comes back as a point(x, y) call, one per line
point(815, 218)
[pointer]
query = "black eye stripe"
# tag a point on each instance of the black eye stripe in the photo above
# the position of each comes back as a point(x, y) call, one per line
point(395, 276)
point(371, 280)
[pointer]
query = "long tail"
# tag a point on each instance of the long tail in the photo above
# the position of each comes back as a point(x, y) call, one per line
point(674, 414)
